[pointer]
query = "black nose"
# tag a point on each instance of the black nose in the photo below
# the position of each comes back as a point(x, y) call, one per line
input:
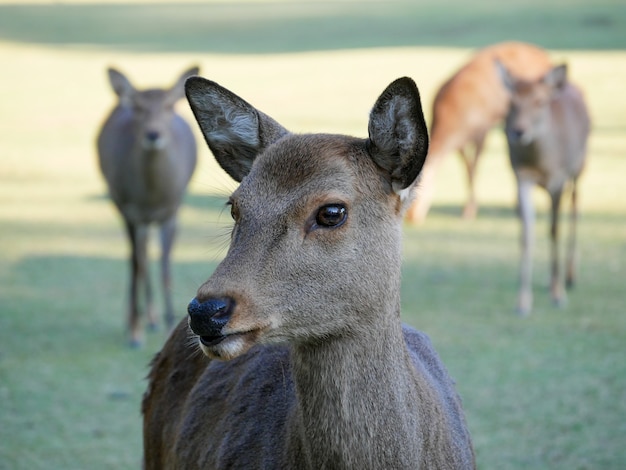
point(207, 318)
point(516, 133)
point(152, 136)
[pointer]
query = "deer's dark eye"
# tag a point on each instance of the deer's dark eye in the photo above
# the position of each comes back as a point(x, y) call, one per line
point(332, 215)
point(234, 211)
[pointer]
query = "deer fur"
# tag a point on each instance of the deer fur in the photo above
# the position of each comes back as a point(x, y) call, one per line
point(147, 154)
point(466, 107)
point(306, 363)
point(547, 129)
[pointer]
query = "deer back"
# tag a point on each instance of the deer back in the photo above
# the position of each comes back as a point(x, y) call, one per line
point(474, 99)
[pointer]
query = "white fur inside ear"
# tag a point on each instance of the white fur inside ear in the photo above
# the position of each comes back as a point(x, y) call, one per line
point(240, 127)
point(223, 122)
point(406, 195)
point(225, 119)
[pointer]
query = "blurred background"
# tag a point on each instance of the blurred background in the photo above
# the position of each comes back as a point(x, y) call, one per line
point(545, 392)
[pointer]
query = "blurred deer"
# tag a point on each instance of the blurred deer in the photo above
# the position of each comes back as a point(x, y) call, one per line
point(147, 155)
point(547, 128)
point(309, 365)
point(465, 108)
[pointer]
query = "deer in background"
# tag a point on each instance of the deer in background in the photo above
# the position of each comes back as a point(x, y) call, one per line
point(547, 128)
point(147, 154)
point(465, 108)
point(309, 365)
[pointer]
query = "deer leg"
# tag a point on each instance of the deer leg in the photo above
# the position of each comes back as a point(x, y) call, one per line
point(571, 245)
point(527, 217)
point(139, 279)
point(471, 161)
point(556, 289)
point(168, 232)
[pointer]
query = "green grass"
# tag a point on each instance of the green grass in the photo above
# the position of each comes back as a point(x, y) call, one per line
point(544, 392)
point(291, 26)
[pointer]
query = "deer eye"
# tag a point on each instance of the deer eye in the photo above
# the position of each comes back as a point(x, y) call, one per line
point(331, 215)
point(234, 211)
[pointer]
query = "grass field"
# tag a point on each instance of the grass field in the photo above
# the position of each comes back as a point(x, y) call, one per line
point(543, 392)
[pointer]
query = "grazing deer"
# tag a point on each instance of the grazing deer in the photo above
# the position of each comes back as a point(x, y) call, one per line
point(465, 108)
point(547, 128)
point(147, 155)
point(317, 370)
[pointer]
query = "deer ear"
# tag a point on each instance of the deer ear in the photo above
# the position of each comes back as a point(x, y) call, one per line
point(398, 138)
point(235, 131)
point(556, 77)
point(505, 76)
point(177, 92)
point(120, 84)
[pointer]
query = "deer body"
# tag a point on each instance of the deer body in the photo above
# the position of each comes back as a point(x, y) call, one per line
point(305, 308)
point(466, 107)
point(547, 130)
point(147, 154)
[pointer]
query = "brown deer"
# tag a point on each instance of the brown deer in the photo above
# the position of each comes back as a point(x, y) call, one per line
point(309, 364)
point(147, 154)
point(547, 128)
point(465, 108)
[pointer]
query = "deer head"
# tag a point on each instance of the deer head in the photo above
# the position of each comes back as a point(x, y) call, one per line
point(152, 109)
point(315, 247)
point(530, 102)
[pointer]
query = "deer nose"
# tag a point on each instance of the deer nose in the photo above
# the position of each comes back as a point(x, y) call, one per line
point(153, 140)
point(516, 133)
point(207, 318)
point(152, 136)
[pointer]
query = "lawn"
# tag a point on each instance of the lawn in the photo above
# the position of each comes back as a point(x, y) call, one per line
point(543, 392)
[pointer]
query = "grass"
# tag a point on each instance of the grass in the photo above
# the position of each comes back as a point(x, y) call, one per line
point(545, 392)
point(292, 26)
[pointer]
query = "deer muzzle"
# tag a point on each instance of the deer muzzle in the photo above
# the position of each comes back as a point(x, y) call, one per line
point(208, 318)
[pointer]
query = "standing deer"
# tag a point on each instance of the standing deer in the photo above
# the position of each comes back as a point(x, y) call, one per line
point(465, 108)
point(310, 366)
point(547, 128)
point(147, 155)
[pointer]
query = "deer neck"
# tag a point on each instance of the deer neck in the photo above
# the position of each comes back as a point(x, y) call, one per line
point(155, 167)
point(353, 394)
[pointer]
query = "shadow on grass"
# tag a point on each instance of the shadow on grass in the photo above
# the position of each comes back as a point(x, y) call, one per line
point(62, 300)
point(280, 27)
point(509, 212)
point(208, 202)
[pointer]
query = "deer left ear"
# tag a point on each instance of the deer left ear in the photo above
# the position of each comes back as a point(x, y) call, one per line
point(398, 137)
point(505, 76)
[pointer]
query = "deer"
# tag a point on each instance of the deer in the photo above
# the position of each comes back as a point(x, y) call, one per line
point(293, 354)
point(466, 107)
point(547, 128)
point(147, 155)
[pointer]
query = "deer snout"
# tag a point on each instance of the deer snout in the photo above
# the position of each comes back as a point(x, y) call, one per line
point(515, 134)
point(209, 317)
point(153, 140)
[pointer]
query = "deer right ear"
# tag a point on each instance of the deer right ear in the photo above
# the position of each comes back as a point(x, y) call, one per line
point(121, 85)
point(235, 131)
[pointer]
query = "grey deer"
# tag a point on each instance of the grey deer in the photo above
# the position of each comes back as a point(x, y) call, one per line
point(147, 154)
point(547, 129)
point(309, 365)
